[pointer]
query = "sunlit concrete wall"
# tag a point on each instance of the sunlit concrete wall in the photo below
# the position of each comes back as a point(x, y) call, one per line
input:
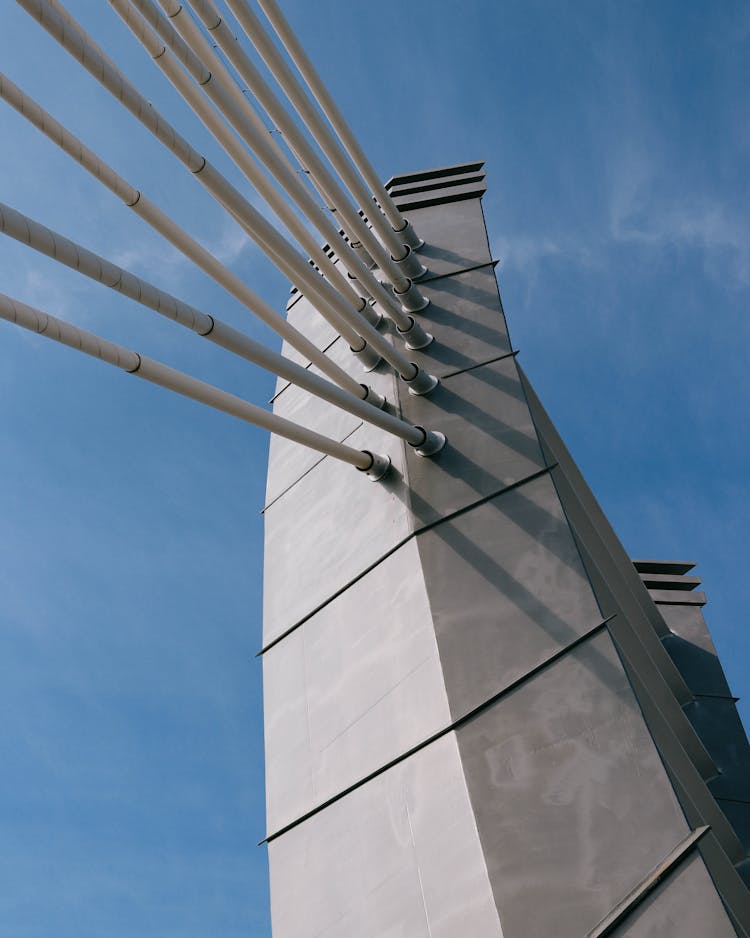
point(473, 724)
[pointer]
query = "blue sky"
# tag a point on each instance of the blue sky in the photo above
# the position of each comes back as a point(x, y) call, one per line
point(617, 138)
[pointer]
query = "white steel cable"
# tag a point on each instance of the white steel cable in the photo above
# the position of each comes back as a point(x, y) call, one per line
point(321, 132)
point(166, 227)
point(352, 222)
point(196, 55)
point(227, 42)
point(167, 62)
point(328, 105)
point(133, 363)
point(66, 32)
point(326, 299)
point(16, 225)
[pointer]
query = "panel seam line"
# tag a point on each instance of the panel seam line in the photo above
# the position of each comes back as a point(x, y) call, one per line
point(392, 550)
point(439, 734)
point(647, 885)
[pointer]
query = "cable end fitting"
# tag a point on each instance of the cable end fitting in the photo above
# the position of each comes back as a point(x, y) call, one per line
point(411, 298)
point(363, 253)
point(410, 237)
point(422, 382)
point(368, 357)
point(378, 468)
point(433, 442)
point(415, 336)
point(410, 265)
point(373, 397)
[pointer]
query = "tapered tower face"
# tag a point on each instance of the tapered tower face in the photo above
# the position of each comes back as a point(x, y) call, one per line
point(481, 718)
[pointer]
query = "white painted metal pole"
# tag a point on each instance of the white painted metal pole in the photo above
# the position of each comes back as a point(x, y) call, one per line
point(413, 334)
point(67, 34)
point(166, 227)
point(356, 228)
point(167, 63)
point(135, 364)
point(337, 120)
point(327, 300)
point(194, 52)
point(324, 137)
point(24, 229)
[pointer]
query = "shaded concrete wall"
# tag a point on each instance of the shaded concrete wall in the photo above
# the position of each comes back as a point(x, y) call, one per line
point(713, 710)
point(473, 725)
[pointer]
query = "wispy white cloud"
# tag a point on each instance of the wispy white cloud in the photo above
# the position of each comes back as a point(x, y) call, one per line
point(154, 256)
point(230, 243)
point(148, 258)
point(647, 207)
point(527, 252)
point(639, 212)
point(701, 224)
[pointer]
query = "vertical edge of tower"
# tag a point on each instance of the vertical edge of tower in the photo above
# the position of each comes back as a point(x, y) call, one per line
point(474, 724)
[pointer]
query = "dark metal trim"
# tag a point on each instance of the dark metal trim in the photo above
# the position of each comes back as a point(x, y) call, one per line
point(404, 540)
point(415, 189)
point(456, 724)
point(442, 196)
point(459, 270)
point(456, 170)
point(647, 885)
point(307, 471)
point(489, 361)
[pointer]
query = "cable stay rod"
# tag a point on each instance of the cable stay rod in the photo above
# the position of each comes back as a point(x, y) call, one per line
point(25, 230)
point(188, 43)
point(307, 70)
point(165, 226)
point(324, 297)
point(59, 330)
point(167, 62)
point(168, 65)
point(318, 128)
point(355, 226)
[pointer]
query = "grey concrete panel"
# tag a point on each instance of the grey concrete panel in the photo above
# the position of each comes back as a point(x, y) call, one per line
point(289, 782)
point(571, 802)
point(340, 353)
point(738, 815)
point(692, 650)
point(686, 903)
point(491, 440)
point(398, 858)
point(571, 799)
point(718, 724)
point(371, 688)
point(662, 710)
point(455, 884)
point(328, 528)
point(624, 572)
point(688, 623)
point(507, 590)
point(455, 238)
point(612, 579)
point(288, 461)
point(467, 320)
point(307, 319)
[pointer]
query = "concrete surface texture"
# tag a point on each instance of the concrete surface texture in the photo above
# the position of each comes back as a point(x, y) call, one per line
point(482, 718)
